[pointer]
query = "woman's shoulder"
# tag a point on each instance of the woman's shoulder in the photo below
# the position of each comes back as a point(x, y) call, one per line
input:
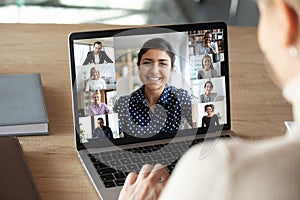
point(181, 94)
point(213, 94)
point(123, 98)
point(176, 90)
point(102, 80)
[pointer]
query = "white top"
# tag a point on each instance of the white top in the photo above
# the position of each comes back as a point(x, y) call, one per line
point(95, 84)
point(234, 170)
point(97, 59)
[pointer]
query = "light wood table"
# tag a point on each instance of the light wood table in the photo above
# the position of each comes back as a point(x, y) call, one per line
point(258, 109)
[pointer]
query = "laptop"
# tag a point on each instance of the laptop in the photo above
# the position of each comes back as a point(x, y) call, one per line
point(116, 132)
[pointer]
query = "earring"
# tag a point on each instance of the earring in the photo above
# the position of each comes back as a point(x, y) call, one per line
point(293, 51)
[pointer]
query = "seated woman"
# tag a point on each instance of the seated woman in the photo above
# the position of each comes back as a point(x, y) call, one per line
point(95, 82)
point(155, 107)
point(208, 96)
point(208, 70)
point(210, 119)
point(242, 169)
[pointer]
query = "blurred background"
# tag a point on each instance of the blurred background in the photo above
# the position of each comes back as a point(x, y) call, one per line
point(129, 12)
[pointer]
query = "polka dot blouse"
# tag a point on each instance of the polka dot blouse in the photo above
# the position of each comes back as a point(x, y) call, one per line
point(136, 118)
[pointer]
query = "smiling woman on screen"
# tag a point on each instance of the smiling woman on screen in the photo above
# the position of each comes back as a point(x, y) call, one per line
point(155, 107)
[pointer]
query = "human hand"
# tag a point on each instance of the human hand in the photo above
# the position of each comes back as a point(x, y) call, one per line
point(208, 44)
point(146, 185)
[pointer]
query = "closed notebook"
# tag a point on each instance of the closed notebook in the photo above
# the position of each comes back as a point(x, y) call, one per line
point(16, 181)
point(22, 105)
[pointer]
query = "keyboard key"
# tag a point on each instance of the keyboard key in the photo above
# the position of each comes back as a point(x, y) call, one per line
point(164, 162)
point(166, 149)
point(122, 168)
point(109, 184)
point(99, 165)
point(166, 155)
point(108, 177)
point(127, 155)
point(106, 153)
point(132, 168)
point(119, 175)
point(114, 163)
point(120, 182)
point(177, 154)
point(146, 159)
point(125, 161)
point(103, 171)
point(135, 160)
point(156, 157)
point(105, 158)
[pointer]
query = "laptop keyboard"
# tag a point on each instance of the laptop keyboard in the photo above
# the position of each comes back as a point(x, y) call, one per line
point(114, 166)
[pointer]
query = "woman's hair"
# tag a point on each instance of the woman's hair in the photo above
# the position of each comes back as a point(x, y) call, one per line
point(209, 105)
point(157, 43)
point(211, 63)
point(207, 82)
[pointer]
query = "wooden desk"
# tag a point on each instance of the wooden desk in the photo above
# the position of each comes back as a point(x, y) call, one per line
point(258, 109)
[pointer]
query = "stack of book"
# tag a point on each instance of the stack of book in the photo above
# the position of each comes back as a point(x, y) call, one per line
point(22, 105)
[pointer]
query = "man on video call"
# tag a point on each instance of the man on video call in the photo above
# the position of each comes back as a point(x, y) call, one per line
point(207, 46)
point(102, 131)
point(97, 56)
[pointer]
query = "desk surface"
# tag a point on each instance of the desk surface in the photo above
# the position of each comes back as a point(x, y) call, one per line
point(258, 109)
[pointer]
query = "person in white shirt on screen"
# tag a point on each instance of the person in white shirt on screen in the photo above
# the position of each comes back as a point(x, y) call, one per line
point(97, 56)
point(267, 169)
point(95, 82)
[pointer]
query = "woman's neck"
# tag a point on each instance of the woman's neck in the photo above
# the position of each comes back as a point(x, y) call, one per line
point(152, 96)
point(207, 93)
point(210, 114)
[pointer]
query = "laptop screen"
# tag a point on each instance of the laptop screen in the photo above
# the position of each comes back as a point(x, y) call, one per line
point(141, 84)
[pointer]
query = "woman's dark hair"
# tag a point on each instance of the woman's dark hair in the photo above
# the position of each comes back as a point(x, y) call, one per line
point(157, 43)
point(209, 105)
point(207, 82)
